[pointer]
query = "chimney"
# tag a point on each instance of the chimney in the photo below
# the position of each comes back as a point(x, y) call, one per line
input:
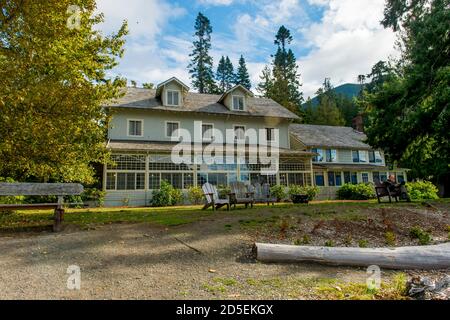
point(358, 123)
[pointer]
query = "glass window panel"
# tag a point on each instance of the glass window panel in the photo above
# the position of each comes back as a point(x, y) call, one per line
point(296, 179)
point(284, 179)
point(270, 134)
point(354, 178)
point(202, 178)
point(171, 128)
point(188, 180)
point(131, 181)
point(378, 158)
point(207, 131)
point(154, 181)
point(239, 132)
point(121, 181)
point(238, 103)
point(400, 178)
point(140, 181)
point(127, 162)
point(347, 177)
point(110, 181)
point(365, 177)
point(338, 179)
point(383, 176)
point(175, 179)
point(355, 155)
point(135, 128)
point(331, 155)
point(372, 156)
point(331, 179)
point(376, 177)
point(362, 156)
point(320, 181)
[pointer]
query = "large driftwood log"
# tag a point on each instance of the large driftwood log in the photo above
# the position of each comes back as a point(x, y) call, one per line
point(424, 257)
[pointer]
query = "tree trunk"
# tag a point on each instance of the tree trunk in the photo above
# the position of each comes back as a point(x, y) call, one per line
point(424, 257)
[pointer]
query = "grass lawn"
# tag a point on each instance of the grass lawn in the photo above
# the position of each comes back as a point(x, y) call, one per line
point(174, 216)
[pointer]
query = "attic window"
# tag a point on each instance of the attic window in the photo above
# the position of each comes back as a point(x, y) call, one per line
point(238, 103)
point(173, 98)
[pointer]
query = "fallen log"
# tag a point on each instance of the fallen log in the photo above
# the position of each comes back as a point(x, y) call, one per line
point(405, 258)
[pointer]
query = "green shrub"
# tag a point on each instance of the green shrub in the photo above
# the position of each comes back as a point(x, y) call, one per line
point(166, 196)
point(310, 191)
point(304, 241)
point(195, 195)
point(390, 238)
point(176, 197)
point(278, 192)
point(423, 236)
point(363, 243)
point(363, 191)
point(224, 191)
point(329, 243)
point(93, 194)
point(422, 190)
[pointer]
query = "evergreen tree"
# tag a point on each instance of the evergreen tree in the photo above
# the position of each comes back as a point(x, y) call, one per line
point(242, 76)
point(201, 66)
point(284, 87)
point(266, 84)
point(221, 75)
point(229, 74)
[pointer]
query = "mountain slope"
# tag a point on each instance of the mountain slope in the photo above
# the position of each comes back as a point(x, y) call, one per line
point(349, 90)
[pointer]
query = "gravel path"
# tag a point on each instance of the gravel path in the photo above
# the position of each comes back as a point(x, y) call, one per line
point(140, 261)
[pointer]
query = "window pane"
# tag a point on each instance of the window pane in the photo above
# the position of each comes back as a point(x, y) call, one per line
point(372, 156)
point(365, 177)
point(362, 156)
point(173, 178)
point(176, 98)
point(238, 103)
point(270, 134)
point(127, 162)
point(321, 156)
point(331, 181)
point(354, 178)
point(131, 181)
point(355, 156)
point(347, 177)
point(320, 181)
point(171, 128)
point(400, 178)
point(207, 131)
point(202, 178)
point(378, 158)
point(135, 128)
point(284, 179)
point(383, 176)
point(376, 177)
point(239, 132)
point(140, 181)
point(296, 179)
point(218, 179)
point(188, 180)
point(154, 181)
point(121, 181)
point(338, 179)
point(110, 181)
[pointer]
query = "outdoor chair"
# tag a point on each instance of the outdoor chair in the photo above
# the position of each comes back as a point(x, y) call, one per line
point(240, 194)
point(212, 198)
point(261, 194)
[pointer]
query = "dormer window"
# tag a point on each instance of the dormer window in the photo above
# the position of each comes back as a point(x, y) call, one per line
point(238, 103)
point(173, 98)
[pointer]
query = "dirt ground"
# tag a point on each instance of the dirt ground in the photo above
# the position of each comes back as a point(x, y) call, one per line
point(208, 259)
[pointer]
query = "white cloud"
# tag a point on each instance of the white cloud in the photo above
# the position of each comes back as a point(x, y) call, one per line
point(215, 2)
point(144, 59)
point(347, 42)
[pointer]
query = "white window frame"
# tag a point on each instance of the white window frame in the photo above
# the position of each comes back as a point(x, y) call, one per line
point(234, 130)
point(165, 128)
point(212, 128)
point(243, 102)
point(167, 98)
point(142, 128)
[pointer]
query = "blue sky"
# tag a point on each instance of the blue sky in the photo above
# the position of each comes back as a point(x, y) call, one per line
point(332, 38)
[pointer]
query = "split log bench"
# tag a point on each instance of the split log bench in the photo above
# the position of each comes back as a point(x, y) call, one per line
point(41, 189)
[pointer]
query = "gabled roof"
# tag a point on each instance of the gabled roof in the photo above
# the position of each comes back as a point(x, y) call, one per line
point(146, 99)
point(248, 92)
point(173, 79)
point(328, 136)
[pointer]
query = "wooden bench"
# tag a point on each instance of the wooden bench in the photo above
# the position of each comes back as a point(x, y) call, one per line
point(397, 192)
point(41, 189)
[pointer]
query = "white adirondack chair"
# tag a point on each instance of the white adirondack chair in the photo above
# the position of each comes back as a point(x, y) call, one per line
point(212, 198)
